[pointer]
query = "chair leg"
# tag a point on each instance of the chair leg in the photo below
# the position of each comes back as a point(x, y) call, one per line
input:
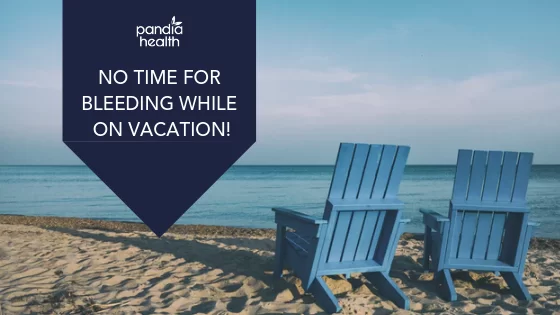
point(280, 251)
point(427, 248)
point(445, 285)
point(515, 284)
point(324, 296)
point(388, 288)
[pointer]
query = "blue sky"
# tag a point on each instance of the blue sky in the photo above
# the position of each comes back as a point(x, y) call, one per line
point(436, 75)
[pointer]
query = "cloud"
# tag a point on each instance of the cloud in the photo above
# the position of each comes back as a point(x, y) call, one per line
point(332, 75)
point(509, 110)
point(30, 84)
point(308, 110)
point(483, 98)
point(30, 78)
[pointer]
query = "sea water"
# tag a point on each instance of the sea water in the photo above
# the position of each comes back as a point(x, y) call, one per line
point(244, 195)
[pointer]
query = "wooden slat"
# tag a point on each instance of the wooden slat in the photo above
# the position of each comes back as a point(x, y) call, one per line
point(370, 171)
point(299, 243)
point(508, 175)
point(356, 227)
point(376, 233)
point(478, 172)
point(342, 167)
point(479, 264)
point(495, 240)
point(339, 236)
point(490, 206)
point(493, 171)
point(522, 177)
point(367, 234)
point(397, 172)
point(456, 218)
point(462, 175)
point(349, 267)
point(385, 166)
point(513, 229)
point(362, 204)
point(387, 237)
point(356, 171)
point(520, 239)
point(526, 241)
point(467, 234)
point(483, 229)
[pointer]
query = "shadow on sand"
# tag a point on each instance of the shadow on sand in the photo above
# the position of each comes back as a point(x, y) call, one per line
point(237, 262)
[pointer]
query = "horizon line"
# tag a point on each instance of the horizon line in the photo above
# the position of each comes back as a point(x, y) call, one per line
point(1, 165)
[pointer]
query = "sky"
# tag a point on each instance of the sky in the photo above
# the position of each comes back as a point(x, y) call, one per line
point(436, 75)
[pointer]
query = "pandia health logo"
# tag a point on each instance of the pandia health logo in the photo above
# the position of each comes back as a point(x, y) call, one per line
point(160, 36)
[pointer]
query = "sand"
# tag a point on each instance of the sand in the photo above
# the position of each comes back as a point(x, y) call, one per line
point(67, 269)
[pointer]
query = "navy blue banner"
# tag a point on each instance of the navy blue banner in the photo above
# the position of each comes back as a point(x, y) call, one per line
point(159, 97)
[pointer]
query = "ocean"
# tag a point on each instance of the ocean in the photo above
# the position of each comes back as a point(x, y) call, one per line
point(243, 196)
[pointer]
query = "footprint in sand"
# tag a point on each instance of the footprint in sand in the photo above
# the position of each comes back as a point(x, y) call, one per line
point(232, 287)
point(483, 309)
point(237, 304)
point(204, 308)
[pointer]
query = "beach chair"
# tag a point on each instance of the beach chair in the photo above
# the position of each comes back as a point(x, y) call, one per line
point(487, 228)
point(360, 228)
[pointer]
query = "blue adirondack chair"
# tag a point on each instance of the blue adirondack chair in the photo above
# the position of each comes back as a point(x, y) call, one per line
point(487, 228)
point(360, 228)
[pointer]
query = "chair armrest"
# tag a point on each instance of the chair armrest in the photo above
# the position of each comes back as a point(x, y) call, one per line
point(438, 217)
point(433, 219)
point(291, 214)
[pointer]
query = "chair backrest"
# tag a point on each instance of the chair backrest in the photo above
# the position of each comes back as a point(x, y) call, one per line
point(366, 179)
point(492, 176)
point(488, 209)
point(366, 172)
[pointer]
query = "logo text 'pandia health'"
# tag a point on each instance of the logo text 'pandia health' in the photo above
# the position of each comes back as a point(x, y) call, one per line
point(160, 36)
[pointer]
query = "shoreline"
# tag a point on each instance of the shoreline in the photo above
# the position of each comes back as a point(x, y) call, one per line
point(537, 243)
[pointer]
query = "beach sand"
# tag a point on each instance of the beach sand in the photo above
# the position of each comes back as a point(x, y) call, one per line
point(75, 266)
